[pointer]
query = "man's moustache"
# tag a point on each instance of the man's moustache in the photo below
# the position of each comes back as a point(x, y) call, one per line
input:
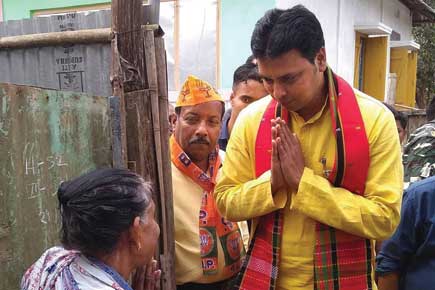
point(199, 141)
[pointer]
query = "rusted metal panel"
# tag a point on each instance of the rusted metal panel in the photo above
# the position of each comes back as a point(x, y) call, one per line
point(46, 137)
point(77, 68)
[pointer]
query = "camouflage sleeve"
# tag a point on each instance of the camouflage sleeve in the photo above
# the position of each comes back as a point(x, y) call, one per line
point(419, 154)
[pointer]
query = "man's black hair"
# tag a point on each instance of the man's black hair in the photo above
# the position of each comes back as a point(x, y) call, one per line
point(430, 110)
point(399, 116)
point(280, 31)
point(245, 72)
point(403, 119)
point(250, 59)
point(97, 207)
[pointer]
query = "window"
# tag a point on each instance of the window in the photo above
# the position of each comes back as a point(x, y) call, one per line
point(192, 41)
point(371, 59)
point(403, 63)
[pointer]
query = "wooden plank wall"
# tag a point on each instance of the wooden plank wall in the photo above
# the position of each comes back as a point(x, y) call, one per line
point(46, 137)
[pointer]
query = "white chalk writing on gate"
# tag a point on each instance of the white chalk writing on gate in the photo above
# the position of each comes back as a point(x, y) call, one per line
point(33, 166)
point(45, 216)
point(35, 189)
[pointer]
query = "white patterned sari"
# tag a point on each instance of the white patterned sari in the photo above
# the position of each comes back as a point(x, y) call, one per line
point(61, 269)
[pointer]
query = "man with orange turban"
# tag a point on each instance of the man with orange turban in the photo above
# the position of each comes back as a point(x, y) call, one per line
point(208, 248)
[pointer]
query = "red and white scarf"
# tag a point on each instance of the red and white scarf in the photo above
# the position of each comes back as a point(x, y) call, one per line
point(211, 223)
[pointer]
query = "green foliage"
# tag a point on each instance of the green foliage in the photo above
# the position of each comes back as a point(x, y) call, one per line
point(425, 36)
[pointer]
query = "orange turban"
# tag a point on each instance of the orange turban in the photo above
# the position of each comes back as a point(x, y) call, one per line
point(196, 91)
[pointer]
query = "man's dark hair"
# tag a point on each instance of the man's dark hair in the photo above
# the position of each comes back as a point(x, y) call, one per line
point(251, 59)
point(97, 207)
point(430, 110)
point(399, 116)
point(403, 119)
point(280, 31)
point(245, 72)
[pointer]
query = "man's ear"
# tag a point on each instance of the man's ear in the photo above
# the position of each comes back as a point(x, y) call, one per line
point(320, 60)
point(231, 98)
point(173, 119)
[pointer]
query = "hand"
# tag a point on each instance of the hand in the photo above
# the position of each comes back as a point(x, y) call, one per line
point(389, 281)
point(152, 278)
point(290, 155)
point(147, 277)
point(277, 179)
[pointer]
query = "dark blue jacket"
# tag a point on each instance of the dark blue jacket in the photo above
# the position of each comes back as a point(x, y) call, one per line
point(225, 135)
point(411, 249)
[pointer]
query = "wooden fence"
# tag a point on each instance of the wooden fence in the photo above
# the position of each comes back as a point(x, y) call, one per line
point(46, 137)
point(128, 130)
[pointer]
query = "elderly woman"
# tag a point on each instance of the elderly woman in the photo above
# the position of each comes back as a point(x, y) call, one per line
point(108, 231)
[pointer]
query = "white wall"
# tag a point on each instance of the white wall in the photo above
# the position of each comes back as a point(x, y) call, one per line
point(338, 19)
point(398, 17)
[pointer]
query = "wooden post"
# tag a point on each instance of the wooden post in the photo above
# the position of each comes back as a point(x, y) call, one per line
point(137, 72)
point(127, 17)
point(155, 59)
point(129, 81)
point(117, 80)
point(169, 246)
point(128, 73)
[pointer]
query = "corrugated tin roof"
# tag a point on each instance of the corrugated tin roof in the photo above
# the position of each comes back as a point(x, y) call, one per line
point(421, 11)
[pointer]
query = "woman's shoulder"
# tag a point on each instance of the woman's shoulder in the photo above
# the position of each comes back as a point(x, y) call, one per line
point(47, 268)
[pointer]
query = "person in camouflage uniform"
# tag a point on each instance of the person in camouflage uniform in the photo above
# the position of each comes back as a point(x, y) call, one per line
point(419, 152)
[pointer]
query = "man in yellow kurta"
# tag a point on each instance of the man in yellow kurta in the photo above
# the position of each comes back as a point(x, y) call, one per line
point(316, 208)
point(208, 248)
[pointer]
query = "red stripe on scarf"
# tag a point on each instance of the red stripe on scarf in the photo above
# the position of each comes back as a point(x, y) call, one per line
point(350, 251)
point(356, 143)
point(261, 266)
point(355, 176)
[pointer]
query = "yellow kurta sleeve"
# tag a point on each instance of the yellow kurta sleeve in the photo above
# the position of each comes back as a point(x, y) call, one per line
point(374, 216)
point(239, 194)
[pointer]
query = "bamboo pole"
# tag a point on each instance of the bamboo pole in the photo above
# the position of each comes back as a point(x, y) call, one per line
point(101, 35)
point(409, 108)
point(157, 118)
point(218, 44)
point(177, 73)
point(167, 209)
point(84, 36)
point(1, 10)
point(151, 72)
